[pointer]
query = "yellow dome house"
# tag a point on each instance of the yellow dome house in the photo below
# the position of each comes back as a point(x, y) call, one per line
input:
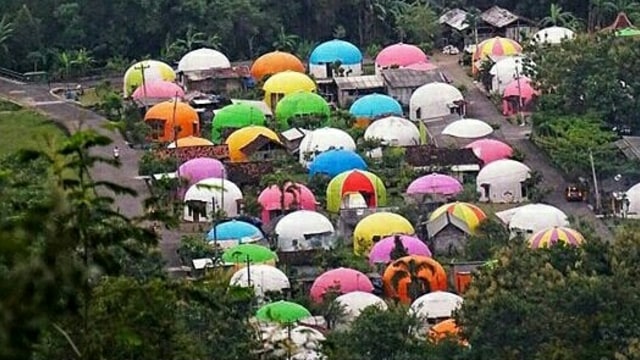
point(377, 226)
point(284, 83)
point(246, 141)
point(146, 71)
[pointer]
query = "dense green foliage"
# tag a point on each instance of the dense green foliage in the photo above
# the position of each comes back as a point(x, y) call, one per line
point(74, 36)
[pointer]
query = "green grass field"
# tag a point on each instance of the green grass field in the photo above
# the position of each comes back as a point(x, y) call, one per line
point(24, 129)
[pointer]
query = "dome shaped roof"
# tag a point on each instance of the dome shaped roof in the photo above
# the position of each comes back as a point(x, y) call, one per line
point(263, 278)
point(174, 114)
point(323, 139)
point(201, 168)
point(243, 137)
point(304, 230)
point(271, 197)
point(231, 233)
point(532, 218)
point(468, 129)
point(301, 103)
point(336, 50)
point(354, 302)
point(334, 162)
point(375, 105)
point(489, 150)
point(394, 131)
point(287, 82)
point(213, 188)
point(505, 71)
point(433, 99)
point(235, 116)
point(342, 280)
point(503, 171)
point(380, 224)
point(553, 35)
point(275, 62)
point(153, 71)
point(203, 59)
point(633, 195)
point(158, 89)
point(400, 55)
point(189, 141)
point(438, 304)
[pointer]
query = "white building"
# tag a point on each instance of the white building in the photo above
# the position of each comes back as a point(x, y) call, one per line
point(503, 181)
point(209, 195)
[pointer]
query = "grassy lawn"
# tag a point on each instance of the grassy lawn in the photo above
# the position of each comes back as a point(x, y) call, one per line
point(24, 129)
point(89, 98)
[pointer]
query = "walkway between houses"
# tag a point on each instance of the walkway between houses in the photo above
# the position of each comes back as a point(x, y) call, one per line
point(480, 107)
point(74, 117)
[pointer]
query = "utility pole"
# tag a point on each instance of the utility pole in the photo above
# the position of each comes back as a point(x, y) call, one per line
point(595, 182)
point(142, 67)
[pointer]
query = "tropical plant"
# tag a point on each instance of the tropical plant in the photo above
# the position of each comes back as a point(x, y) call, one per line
point(6, 30)
point(398, 250)
point(557, 17)
point(413, 270)
point(286, 186)
point(473, 20)
point(285, 41)
point(82, 60)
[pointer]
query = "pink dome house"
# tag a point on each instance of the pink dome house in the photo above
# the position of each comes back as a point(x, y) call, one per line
point(297, 197)
point(197, 169)
point(158, 90)
point(519, 95)
point(401, 55)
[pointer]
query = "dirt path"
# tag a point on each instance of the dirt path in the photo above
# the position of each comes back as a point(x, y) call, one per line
point(73, 118)
point(480, 107)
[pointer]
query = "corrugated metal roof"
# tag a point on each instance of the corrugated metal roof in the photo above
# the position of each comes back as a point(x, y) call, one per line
point(408, 78)
point(454, 18)
point(499, 17)
point(359, 82)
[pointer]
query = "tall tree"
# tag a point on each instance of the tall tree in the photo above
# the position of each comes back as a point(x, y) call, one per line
point(557, 17)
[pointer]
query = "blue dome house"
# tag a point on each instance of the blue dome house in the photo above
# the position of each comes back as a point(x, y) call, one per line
point(325, 55)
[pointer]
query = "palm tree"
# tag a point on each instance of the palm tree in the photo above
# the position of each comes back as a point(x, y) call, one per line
point(473, 19)
point(192, 39)
point(398, 250)
point(285, 41)
point(412, 269)
point(64, 61)
point(557, 17)
point(286, 186)
point(83, 60)
point(6, 30)
point(598, 11)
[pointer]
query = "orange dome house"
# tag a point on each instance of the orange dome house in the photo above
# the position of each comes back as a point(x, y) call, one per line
point(240, 141)
point(275, 62)
point(172, 120)
point(410, 277)
point(446, 329)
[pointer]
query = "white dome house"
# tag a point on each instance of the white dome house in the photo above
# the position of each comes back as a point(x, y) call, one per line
point(263, 278)
point(553, 35)
point(505, 71)
point(433, 100)
point(354, 302)
point(304, 230)
point(205, 196)
point(502, 181)
point(468, 129)
point(633, 197)
point(394, 131)
point(532, 218)
point(321, 140)
point(203, 59)
point(438, 304)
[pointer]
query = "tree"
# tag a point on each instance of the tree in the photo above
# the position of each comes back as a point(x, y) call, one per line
point(6, 30)
point(557, 17)
point(418, 285)
point(398, 250)
point(285, 41)
point(401, 337)
point(83, 60)
point(65, 241)
point(285, 185)
point(598, 12)
point(419, 24)
point(473, 21)
point(585, 289)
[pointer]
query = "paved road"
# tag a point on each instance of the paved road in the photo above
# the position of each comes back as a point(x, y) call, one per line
point(480, 107)
point(73, 118)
